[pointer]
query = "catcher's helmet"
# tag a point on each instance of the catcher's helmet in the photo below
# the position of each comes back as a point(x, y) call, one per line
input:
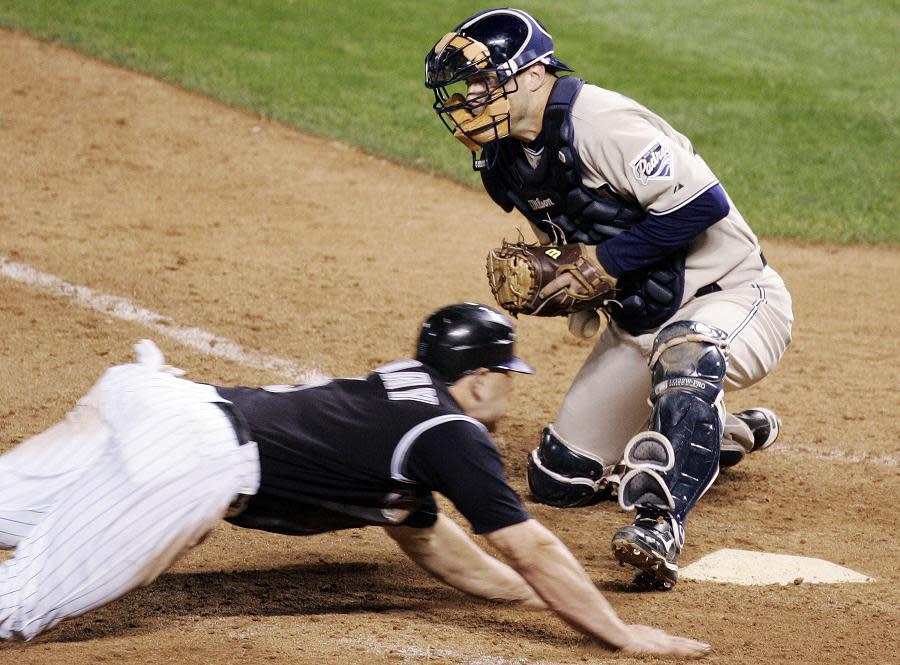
point(458, 339)
point(495, 41)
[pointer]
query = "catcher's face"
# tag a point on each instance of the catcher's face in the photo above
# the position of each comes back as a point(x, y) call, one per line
point(524, 108)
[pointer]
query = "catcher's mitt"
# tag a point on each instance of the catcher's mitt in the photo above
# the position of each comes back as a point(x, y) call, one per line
point(518, 271)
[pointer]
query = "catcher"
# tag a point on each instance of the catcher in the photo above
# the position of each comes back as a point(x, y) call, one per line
point(650, 239)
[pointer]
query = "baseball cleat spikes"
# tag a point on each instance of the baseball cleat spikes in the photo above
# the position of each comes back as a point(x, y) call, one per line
point(652, 574)
point(650, 546)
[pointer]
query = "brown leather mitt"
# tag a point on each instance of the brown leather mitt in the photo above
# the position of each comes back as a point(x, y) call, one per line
point(518, 271)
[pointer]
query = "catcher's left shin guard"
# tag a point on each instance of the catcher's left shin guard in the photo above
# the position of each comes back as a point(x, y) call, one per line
point(671, 467)
point(562, 477)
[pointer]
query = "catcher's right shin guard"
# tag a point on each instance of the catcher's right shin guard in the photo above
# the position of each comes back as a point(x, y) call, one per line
point(672, 466)
point(562, 477)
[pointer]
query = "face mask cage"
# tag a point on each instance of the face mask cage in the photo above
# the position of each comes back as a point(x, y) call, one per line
point(451, 99)
point(453, 62)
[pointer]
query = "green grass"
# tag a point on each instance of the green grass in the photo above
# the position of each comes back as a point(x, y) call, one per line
point(793, 104)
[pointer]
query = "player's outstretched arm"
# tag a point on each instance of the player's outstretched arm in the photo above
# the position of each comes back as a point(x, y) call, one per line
point(551, 569)
point(447, 553)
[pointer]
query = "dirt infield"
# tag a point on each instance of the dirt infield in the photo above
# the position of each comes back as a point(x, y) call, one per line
point(310, 250)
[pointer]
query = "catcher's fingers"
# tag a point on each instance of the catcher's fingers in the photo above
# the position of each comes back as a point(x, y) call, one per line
point(645, 639)
point(565, 282)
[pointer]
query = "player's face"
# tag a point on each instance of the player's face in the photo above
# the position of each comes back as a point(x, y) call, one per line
point(477, 90)
point(479, 86)
point(495, 397)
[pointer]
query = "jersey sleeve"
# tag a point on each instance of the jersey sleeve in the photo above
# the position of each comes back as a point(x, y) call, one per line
point(425, 516)
point(623, 144)
point(459, 460)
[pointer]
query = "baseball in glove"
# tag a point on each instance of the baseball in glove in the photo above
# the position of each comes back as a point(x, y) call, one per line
point(517, 272)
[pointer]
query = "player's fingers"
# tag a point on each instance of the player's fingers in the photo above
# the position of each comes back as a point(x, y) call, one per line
point(654, 641)
point(684, 647)
point(563, 282)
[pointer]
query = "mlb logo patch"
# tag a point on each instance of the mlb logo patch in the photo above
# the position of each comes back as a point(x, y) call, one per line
point(654, 162)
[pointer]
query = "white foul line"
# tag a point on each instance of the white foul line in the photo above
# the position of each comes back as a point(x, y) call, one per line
point(122, 308)
point(221, 347)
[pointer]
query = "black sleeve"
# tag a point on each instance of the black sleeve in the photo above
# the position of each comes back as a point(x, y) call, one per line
point(425, 516)
point(459, 460)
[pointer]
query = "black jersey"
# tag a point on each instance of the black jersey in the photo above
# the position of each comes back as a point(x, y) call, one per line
point(347, 453)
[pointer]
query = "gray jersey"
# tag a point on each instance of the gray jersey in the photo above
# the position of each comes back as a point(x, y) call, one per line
point(638, 154)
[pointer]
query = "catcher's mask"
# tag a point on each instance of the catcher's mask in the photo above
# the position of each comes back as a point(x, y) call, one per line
point(494, 44)
point(458, 339)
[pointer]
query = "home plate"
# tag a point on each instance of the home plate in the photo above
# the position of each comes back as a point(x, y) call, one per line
point(758, 568)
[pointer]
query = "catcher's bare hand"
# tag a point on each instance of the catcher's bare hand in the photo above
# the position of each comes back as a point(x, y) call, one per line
point(547, 280)
point(565, 282)
point(645, 639)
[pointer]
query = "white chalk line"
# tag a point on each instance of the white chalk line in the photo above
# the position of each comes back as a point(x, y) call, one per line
point(122, 308)
point(840, 456)
point(221, 347)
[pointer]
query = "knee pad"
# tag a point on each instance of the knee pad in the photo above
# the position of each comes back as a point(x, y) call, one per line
point(688, 374)
point(562, 477)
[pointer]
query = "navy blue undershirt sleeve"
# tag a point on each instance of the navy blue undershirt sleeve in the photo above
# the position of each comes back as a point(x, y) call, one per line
point(659, 235)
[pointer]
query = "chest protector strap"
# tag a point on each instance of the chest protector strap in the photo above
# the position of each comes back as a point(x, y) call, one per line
point(552, 196)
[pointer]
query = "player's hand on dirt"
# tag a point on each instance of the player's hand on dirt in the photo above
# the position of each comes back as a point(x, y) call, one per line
point(649, 640)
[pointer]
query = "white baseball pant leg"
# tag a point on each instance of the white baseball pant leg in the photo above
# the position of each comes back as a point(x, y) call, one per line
point(165, 474)
point(608, 400)
point(34, 473)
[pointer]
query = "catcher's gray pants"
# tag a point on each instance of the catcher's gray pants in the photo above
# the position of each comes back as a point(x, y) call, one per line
point(105, 501)
point(608, 401)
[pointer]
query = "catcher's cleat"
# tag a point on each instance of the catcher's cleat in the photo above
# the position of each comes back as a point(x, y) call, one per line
point(765, 426)
point(652, 545)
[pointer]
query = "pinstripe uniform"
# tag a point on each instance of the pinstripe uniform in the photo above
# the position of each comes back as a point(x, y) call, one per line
point(147, 464)
point(103, 502)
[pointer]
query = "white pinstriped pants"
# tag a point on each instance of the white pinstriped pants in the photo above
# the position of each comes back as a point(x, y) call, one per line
point(106, 500)
point(608, 401)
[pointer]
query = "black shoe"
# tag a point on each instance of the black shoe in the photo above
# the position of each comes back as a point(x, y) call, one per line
point(765, 426)
point(652, 545)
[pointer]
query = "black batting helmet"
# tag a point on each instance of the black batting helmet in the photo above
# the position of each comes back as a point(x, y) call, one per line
point(458, 339)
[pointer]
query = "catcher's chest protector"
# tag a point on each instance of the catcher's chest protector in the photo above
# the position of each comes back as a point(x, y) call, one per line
point(553, 194)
